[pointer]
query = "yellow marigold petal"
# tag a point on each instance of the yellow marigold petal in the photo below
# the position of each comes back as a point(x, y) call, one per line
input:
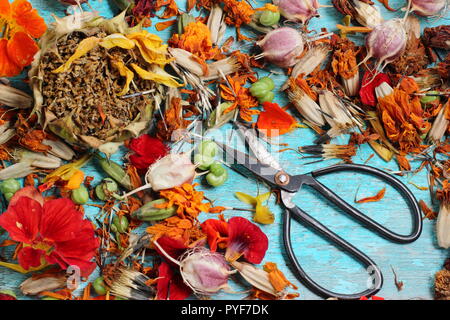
point(263, 197)
point(117, 40)
point(64, 172)
point(124, 72)
point(263, 214)
point(158, 75)
point(84, 47)
point(75, 180)
point(246, 198)
point(151, 47)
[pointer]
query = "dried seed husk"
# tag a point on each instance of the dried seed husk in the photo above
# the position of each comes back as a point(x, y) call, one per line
point(17, 170)
point(440, 125)
point(34, 285)
point(14, 98)
point(443, 226)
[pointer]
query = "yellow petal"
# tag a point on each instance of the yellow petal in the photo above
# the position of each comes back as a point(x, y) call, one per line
point(263, 214)
point(84, 47)
point(263, 197)
point(151, 47)
point(117, 40)
point(158, 75)
point(66, 171)
point(246, 198)
point(19, 268)
point(124, 72)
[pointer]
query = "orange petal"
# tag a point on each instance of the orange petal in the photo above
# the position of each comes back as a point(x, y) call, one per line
point(28, 18)
point(21, 49)
point(7, 67)
point(5, 8)
point(75, 180)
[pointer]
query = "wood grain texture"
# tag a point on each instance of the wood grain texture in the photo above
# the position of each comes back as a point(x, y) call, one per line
point(414, 263)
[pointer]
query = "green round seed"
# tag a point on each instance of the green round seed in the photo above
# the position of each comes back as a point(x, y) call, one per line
point(110, 184)
point(203, 161)
point(208, 148)
point(269, 18)
point(268, 81)
point(100, 194)
point(8, 196)
point(9, 186)
point(99, 286)
point(80, 195)
point(217, 175)
point(121, 223)
point(268, 97)
point(259, 89)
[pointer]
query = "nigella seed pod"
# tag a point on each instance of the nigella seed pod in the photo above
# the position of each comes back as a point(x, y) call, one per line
point(386, 42)
point(298, 10)
point(428, 8)
point(282, 46)
point(205, 272)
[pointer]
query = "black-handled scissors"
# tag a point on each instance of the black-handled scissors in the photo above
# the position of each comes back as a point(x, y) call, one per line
point(271, 172)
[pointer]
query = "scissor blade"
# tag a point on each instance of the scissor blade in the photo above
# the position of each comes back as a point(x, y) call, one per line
point(257, 148)
point(242, 162)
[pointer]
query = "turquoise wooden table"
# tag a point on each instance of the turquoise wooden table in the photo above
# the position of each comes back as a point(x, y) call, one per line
point(415, 264)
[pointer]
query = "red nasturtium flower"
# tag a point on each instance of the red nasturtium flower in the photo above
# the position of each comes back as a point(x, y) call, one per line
point(50, 231)
point(7, 295)
point(146, 151)
point(20, 24)
point(242, 238)
point(170, 285)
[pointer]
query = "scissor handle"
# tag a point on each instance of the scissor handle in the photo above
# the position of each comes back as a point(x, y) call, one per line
point(303, 217)
point(365, 220)
point(305, 279)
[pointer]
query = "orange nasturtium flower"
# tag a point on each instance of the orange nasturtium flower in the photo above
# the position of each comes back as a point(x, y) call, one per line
point(20, 23)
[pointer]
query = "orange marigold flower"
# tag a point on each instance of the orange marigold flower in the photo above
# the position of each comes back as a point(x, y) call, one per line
point(240, 96)
point(189, 201)
point(20, 24)
point(196, 39)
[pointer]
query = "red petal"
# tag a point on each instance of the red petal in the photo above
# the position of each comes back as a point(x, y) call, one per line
point(61, 221)
point(22, 220)
point(5, 296)
point(29, 257)
point(86, 267)
point(30, 192)
point(21, 49)
point(246, 238)
point(7, 67)
point(83, 246)
point(168, 282)
point(147, 150)
point(172, 247)
point(216, 232)
point(367, 91)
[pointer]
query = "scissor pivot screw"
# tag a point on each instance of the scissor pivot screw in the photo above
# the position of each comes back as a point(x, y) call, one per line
point(281, 178)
